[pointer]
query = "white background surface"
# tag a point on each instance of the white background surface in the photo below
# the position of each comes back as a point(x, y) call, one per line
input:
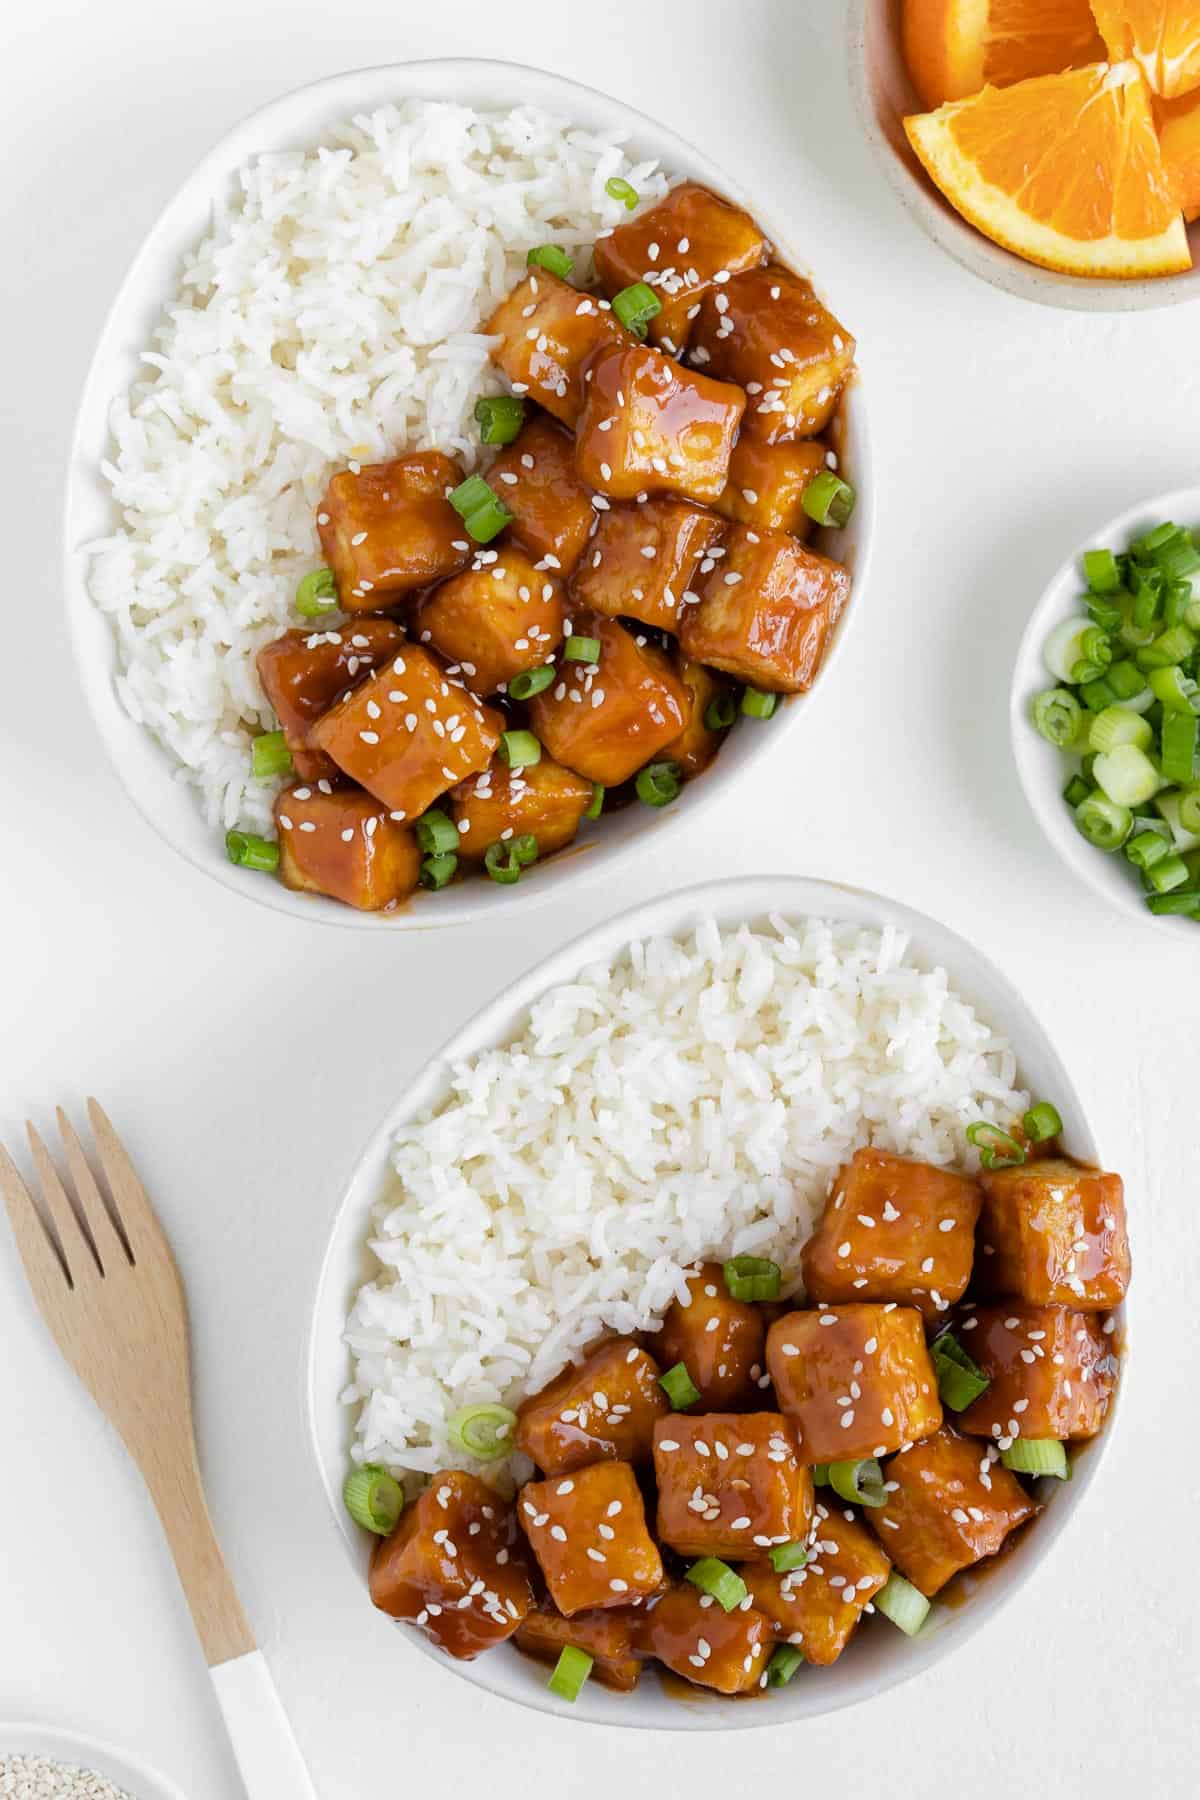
point(246, 1057)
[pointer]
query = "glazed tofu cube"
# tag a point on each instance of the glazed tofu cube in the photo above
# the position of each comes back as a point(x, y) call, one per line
point(856, 1380)
point(606, 719)
point(690, 1634)
point(767, 331)
point(552, 510)
point(607, 1637)
point(767, 482)
point(679, 248)
point(894, 1229)
point(650, 426)
point(304, 672)
point(457, 1535)
point(1052, 1371)
point(549, 333)
point(341, 842)
point(409, 733)
point(389, 529)
point(643, 559)
point(498, 618)
point(697, 744)
point(817, 1607)
point(950, 1503)
point(545, 800)
point(730, 1484)
point(766, 612)
point(588, 1532)
point(603, 1409)
point(1052, 1231)
point(718, 1339)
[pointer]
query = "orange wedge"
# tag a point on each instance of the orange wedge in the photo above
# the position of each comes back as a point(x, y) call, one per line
point(1065, 170)
point(954, 47)
point(1179, 136)
point(1161, 36)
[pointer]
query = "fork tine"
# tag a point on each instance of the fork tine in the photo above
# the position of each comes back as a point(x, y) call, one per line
point(43, 1265)
point(110, 1247)
point(135, 1215)
point(77, 1251)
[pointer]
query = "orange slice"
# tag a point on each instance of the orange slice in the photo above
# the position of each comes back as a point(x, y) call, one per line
point(1065, 170)
point(954, 47)
point(1161, 36)
point(1179, 136)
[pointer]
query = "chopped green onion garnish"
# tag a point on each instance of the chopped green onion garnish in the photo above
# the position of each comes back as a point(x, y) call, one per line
point(500, 418)
point(1126, 775)
point(1103, 823)
point(1188, 803)
point(1041, 1122)
point(820, 1474)
point(504, 861)
point(679, 1387)
point(1100, 571)
point(549, 256)
point(757, 705)
point(1179, 738)
point(1126, 680)
point(1168, 873)
point(436, 871)
point(902, 1603)
point(783, 1665)
point(485, 1431)
point(720, 713)
point(269, 755)
point(1076, 790)
point(1172, 646)
point(373, 1498)
point(1036, 1456)
point(828, 499)
point(785, 1557)
point(752, 1278)
point(858, 1483)
point(1173, 688)
point(658, 783)
point(531, 682)
point(1057, 715)
point(481, 509)
point(1147, 848)
point(1103, 613)
point(712, 1576)
point(519, 749)
point(960, 1379)
point(997, 1149)
point(570, 1672)
point(251, 852)
point(582, 649)
point(1117, 725)
point(317, 594)
point(635, 306)
point(620, 189)
point(1186, 904)
point(437, 834)
point(595, 805)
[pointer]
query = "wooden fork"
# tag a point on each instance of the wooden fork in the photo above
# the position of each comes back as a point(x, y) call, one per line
point(107, 1285)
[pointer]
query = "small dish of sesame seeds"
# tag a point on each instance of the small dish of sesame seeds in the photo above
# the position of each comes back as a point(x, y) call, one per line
point(39, 1762)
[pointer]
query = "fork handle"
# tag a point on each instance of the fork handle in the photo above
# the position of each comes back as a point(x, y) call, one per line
point(259, 1730)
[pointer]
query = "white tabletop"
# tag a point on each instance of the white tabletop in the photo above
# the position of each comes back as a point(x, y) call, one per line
point(246, 1056)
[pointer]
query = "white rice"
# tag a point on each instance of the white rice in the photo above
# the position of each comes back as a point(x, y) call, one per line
point(693, 1100)
point(333, 313)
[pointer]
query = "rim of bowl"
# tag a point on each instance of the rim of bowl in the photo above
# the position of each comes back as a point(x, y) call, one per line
point(1041, 767)
point(141, 765)
point(106, 1759)
point(969, 247)
point(738, 899)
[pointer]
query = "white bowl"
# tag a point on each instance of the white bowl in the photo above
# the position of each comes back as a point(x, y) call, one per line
point(1043, 770)
point(883, 95)
point(118, 1766)
point(296, 120)
point(882, 1659)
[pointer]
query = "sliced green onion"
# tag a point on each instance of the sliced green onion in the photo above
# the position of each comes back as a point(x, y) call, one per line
point(1076, 791)
point(519, 749)
point(1179, 735)
point(752, 1278)
point(786, 1557)
point(251, 852)
point(1096, 647)
point(550, 256)
point(1126, 680)
point(1063, 648)
point(720, 713)
point(902, 1603)
point(373, 1498)
point(998, 1149)
point(1180, 812)
point(436, 871)
point(1086, 674)
point(1179, 558)
point(658, 783)
point(1172, 688)
point(437, 833)
point(504, 861)
point(485, 1430)
point(1155, 539)
point(1100, 571)
point(1168, 873)
point(1102, 822)
point(1147, 848)
point(595, 805)
point(1172, 646)
point(1041, 1122)
point(317, 594)
point(783, 1665)
point(1176, 604)
point(635, 306)
point(1117, 725)
point(570, 1672)
point(269, 755)
point(1036, 1456)
point(582, 649)
point(1185, 904)
point(712, 1576)
point(1126, 775)
point(531, 682)
point(1098, 694)
point(499, 417)
point(619, 189)
point(1188, 803)
point(1104, 613)
point(1057, 716)
point(960, 1379)
point(679, 1387)
point(757, 705)
point(828, 499)
point(481, 509)
point(820, 1474)
point(858, 1483)
point(1148, 588)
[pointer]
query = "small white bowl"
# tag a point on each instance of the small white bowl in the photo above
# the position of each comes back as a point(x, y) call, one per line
point(127, 1772)
point(883, 1659)
point(1043, 770)
point(883, 95)
point(299, 119)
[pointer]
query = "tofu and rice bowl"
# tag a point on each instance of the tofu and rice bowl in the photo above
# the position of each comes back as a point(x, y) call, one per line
point(728, 1314)
point(469, 499)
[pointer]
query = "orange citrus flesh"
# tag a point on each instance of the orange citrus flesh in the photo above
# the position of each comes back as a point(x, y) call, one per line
point(1065, 170)
point(953, 47)
point(1161, 36)
point(1179, 136)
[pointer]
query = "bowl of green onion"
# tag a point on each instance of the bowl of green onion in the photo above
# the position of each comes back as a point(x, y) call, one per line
point(1105, 712)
